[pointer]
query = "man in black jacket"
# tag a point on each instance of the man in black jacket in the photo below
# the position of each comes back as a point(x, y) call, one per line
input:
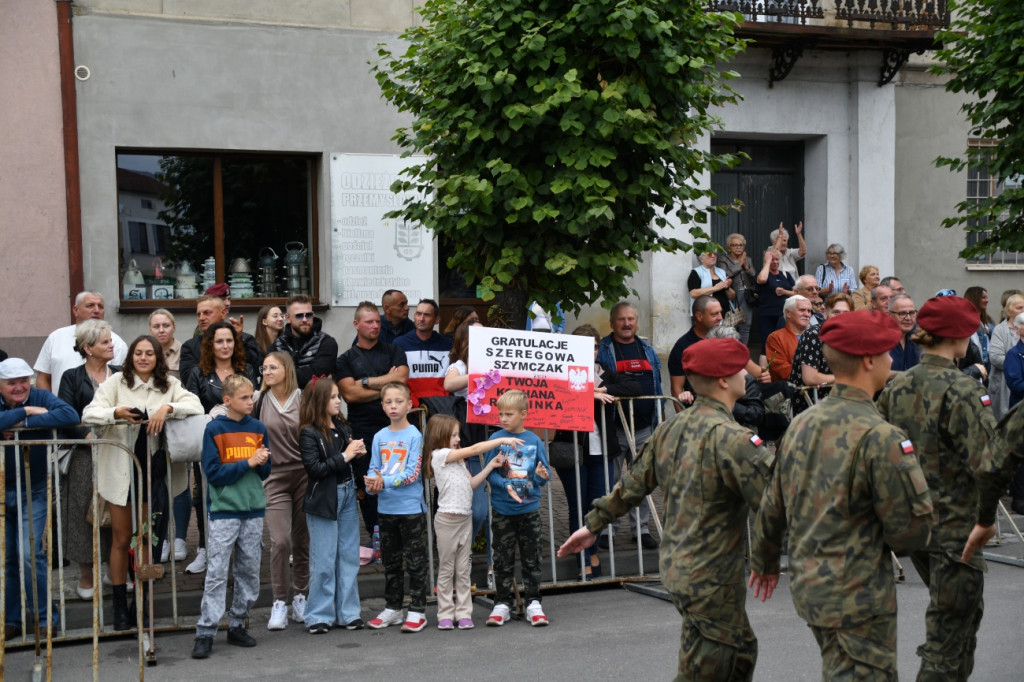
point(313, 351)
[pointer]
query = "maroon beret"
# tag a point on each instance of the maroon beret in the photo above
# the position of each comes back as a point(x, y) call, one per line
point(950, 317)
point(861, 333)
point(715, 358)
point(219, 290)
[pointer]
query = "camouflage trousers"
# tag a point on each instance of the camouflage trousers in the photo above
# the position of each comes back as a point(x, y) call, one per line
point(865, 652)
point(717, 643)
point(404, 537)
point(952, 618)
point(507, 532)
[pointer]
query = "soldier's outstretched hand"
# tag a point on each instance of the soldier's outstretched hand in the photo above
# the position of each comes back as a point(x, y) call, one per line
point(577, 542)
point(764, 585)
point(979, 537)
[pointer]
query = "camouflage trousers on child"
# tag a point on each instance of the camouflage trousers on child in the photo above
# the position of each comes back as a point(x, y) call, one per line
point(404, 537)
point(952, 618)
point(243, 540)
point(865, 652)
point(717, 642)
point(507, 532)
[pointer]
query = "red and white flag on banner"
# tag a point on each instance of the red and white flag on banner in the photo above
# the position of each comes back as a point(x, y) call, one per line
point(555, 371)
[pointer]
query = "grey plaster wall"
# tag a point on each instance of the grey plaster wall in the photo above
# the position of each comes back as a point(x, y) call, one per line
point(929, 124)
point(172, 84)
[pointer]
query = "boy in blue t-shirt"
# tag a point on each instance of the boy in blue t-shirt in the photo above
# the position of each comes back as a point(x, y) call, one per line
point(515, 502)
point(401, 512)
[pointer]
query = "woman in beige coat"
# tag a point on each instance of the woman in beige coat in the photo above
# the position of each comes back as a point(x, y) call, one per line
point(142, 390)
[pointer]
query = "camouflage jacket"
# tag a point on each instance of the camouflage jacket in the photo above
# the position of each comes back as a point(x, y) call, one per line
point(710, 470)
point(1003, 455)
point(849, 487)
point(948, 418)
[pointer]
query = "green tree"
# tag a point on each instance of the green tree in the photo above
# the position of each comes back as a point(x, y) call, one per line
point(558, 135)
point(982, 52)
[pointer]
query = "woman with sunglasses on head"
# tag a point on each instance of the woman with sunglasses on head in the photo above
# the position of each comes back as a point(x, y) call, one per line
point(277, 406)
point(740, 270)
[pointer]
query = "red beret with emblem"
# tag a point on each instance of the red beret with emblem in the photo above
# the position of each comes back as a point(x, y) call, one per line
point(861, 333)
point(219, 290)
point(715, 358)
point(950, 317)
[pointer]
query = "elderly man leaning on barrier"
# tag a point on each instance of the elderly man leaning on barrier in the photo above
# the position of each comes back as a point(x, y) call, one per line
point(630, 355)
point(39, 410)
point(849, 488)
point(711, 471)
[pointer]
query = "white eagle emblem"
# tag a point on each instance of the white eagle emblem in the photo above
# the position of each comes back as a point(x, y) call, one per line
point(578, 378)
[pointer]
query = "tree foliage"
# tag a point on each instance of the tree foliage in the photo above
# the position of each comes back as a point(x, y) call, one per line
point(558, 134)
point(983, 52)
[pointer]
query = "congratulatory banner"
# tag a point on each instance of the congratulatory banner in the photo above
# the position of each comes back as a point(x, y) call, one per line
point(555, 371)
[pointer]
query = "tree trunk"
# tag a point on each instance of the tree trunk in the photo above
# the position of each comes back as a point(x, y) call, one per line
point(509, 309)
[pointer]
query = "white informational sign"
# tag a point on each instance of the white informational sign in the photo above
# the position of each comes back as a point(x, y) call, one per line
point(555, 371)
point(371, 253)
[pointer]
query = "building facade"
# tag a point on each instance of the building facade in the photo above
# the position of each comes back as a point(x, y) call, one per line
point(241, 108)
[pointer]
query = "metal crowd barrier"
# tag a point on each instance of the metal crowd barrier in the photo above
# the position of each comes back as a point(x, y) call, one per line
point(626, 410)
point(53, 501)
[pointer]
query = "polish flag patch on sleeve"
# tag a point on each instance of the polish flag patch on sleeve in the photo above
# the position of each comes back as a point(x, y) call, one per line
point(907, 447)
point(756, 441)
point(986, 401)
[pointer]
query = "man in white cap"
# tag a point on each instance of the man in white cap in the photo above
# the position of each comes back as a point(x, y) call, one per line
point(22, 406)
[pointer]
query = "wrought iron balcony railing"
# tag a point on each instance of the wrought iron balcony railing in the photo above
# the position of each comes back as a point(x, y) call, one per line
point(868, 14)
point(788, 27)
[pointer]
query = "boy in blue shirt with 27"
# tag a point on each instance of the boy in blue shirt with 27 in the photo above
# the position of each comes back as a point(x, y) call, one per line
point(515, 502)
point(395, 468)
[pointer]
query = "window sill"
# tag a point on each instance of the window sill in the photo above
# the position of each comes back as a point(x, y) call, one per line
point(992, 267)
point(178, 305)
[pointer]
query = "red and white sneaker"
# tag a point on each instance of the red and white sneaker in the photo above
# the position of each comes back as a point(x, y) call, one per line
point(414, 622)
point(535, 614)
point(499, 616)
point(385, 618)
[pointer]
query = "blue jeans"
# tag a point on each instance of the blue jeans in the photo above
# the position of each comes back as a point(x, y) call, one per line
point(182, 512)
point(16, 525)
point(481, 506)
point(592, 486)
point(334, 563)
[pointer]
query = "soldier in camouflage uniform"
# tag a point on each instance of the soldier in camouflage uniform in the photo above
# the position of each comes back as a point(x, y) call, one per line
point(849, 487)
point(711, 470)
point(1003, 455)
point(948, 417)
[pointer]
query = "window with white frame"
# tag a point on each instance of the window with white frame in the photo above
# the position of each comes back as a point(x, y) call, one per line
point(981, 186)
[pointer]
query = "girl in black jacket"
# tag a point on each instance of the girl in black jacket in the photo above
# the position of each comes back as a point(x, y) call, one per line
point(332, 514)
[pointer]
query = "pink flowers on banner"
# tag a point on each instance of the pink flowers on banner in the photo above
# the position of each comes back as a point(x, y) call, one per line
point(476, 398)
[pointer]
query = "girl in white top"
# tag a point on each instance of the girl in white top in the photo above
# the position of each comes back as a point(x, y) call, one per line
point(453, 522)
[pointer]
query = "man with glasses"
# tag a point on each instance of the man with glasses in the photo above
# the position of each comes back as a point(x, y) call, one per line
point(737, 266)
point(807, 286)
point(894, 283)
point(313, 351)
point(905, 354)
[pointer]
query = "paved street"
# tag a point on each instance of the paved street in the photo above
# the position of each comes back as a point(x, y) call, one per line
point(597, 635)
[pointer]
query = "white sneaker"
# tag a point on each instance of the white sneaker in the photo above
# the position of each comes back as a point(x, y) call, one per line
point(298, 608)
point(180, 549)
point(198, 564)
point(499, 616)
point(278, 616)
point(387, 617)
point(165, 553)
point(535, 614)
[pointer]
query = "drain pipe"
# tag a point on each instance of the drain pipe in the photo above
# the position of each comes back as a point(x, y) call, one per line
point(72, 186)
